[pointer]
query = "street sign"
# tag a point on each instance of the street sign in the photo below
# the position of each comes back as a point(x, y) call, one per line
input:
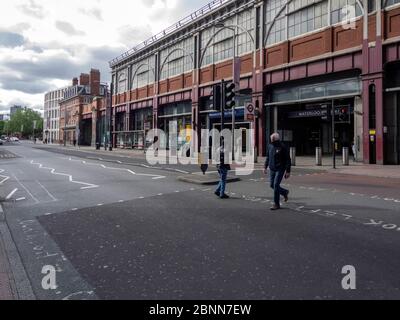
point(34, 124)
point(249, 112)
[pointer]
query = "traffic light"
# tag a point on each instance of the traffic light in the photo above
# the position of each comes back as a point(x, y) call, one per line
point(344, 115)
point(215, 98)
point(229, 93)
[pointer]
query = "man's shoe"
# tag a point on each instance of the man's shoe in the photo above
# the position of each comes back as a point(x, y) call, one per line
point(217, 193)
point(275, 207)
point(287, 197)
point(225, 196)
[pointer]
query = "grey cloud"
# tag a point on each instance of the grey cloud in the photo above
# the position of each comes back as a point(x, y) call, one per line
point(68, 28)
point(11, 39)
point(27, 84)
point(133, 35)
point(48, 68)
point(33, 9)
point(20, 27)
point(94, 12)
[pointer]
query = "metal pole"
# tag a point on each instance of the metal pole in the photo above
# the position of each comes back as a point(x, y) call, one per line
point(333, 134)
point(234, 107)
point(65, 126)
point(110, 143)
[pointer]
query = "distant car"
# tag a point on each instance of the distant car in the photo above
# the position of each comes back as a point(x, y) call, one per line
point(14, 139)
point(1, 142)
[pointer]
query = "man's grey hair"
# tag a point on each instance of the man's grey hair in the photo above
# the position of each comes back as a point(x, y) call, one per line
point(275, 137)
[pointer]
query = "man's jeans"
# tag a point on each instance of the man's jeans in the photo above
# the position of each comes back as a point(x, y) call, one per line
point(276, 178)
point(223, 174)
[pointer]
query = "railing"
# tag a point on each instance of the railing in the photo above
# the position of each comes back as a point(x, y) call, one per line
point(180, 24)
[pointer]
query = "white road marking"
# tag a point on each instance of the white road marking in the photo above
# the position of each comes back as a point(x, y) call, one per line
point(11, 194)
point(154, 177)
point(20, 199)
point(5, 178)
point(26, 189)
point(47, 191)
point(54, 172)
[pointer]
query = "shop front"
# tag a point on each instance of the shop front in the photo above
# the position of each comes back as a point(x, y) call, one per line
point(302, 114)
point(392, 114)
point(178, 116)
point(132, 129)
point(210, 119)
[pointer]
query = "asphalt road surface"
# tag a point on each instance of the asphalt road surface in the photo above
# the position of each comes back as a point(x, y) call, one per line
point(116, 230)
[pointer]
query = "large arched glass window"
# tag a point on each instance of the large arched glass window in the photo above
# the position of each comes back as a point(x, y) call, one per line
point(122, 82)
point(389, 3)
point(143, 73)
point(177, 59)
point(286, 19)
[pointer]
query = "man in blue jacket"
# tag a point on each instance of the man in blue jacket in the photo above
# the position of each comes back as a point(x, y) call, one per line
point(279, 163)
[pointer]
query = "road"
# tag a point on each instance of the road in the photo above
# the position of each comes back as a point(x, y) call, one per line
point(116, 229)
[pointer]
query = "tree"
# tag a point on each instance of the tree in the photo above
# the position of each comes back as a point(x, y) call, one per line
point(22, 122)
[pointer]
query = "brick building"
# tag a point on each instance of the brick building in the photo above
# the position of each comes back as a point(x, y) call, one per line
point(83, 110)
point(299, 60)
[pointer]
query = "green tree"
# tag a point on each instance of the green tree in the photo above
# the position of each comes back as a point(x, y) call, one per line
point(2, 126)
point(22, 122)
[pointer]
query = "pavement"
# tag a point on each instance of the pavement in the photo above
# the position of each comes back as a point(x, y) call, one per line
point(115, 227)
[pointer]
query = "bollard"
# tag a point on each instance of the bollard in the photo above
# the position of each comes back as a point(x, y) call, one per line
point(345, 156)
point(293, 156)
point(318, 156)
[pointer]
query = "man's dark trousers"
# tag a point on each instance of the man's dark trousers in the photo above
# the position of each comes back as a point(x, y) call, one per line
point(276, 178)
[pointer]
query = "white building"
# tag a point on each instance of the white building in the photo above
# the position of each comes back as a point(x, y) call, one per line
point(51, 126)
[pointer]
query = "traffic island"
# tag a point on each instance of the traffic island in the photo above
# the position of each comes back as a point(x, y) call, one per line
point(206, 180)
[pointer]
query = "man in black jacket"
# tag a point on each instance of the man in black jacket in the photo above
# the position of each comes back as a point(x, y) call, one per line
point(279, 163)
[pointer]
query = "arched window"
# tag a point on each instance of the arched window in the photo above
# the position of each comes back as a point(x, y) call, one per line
point(286, 19)
point(122, 82)
point(388, 3)
point(143, 73)
point(177, 59)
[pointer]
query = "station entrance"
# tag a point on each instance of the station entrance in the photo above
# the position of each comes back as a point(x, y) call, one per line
point(310, 125)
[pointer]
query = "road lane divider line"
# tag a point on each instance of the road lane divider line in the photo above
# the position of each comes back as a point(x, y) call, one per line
point(47, 191)
point(26, 189)
point(153, 176)
point(70, 177)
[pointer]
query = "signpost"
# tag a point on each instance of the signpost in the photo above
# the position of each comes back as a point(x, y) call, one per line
point(249, 112)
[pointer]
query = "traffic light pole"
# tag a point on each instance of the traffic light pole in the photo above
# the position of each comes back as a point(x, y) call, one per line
point(333, 134)
point(222, 142)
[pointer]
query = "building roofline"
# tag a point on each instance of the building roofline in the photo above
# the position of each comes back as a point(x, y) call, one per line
point(200, 13)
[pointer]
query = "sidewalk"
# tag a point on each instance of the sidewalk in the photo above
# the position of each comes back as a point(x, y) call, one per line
point(7, 291)
point(355, 168)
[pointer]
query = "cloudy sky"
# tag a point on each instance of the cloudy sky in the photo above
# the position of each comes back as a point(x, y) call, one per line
point(45, 43)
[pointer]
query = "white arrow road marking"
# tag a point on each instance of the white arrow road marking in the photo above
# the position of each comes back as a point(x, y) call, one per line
point(5, 178)
point(53, 171)
point(153, 176)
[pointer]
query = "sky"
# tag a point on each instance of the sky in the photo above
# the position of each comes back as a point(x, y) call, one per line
point(46, 43)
